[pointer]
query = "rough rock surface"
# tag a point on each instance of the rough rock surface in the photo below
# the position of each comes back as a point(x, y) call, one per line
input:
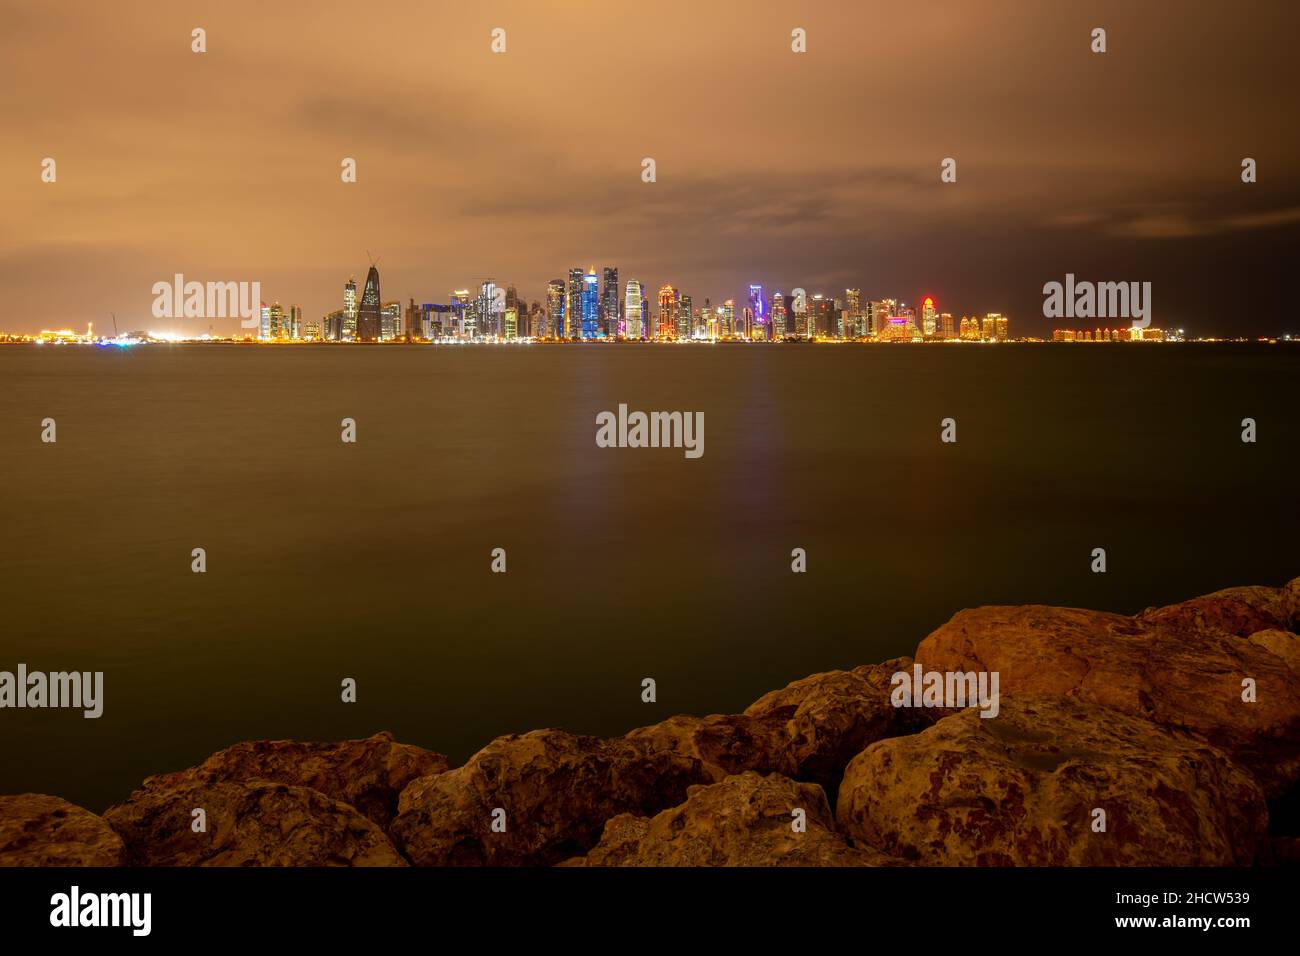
point(368, 774)
point(248, 824)
point(808, 730)
point(1180, 678)
point(1020, 789)
point(557, 790)
point(744, 820)
point(39, 830)
point(1282, 643)
point(1239, 611)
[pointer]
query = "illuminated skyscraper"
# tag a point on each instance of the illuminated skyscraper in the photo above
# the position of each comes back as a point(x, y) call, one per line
point(370, 311)
point(727, 322)
point(348, 330)
point(462, 314)
point(485, 315)
point(609, 311)
point(333, 323)
point(1001, 330)
point(929, 317)
point(645, 311)
point(945, 325)
point(855, 320)
point(573, 305)
point(555, 308)
point(685, 317)
point(390, 321)
point(590, 305)
point(780, 317)
point(666, 323)
point(758, 317)
point(989, 327)
point(819, 316)
point(632, 310)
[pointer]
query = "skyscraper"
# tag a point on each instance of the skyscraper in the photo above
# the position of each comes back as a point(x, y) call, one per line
point(390, 321)
point(855, 320)
point(609, 312)
point(555, 308)
point(685, 317)
point(369, 321)
point(632, 310)
point(348, 330)
point(573, 305)
point(779, 315)
point(928, 317)
point(485, 310)
point(462, 312)
point(590, 305)
point(757, 309)
point(666, 323)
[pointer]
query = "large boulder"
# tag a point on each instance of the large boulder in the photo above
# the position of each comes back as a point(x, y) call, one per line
point(368, 774)
point(808, 730)
point(556, 790)
point(1189, 678)
point(745, 820)
point(1239, 611)
point(39, 830)
point(247, 824)
point(1021, 789)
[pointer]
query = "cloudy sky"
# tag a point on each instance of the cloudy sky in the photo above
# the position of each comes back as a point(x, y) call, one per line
point(818, 170)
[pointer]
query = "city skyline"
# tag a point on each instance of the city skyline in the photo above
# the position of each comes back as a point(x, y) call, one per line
point(819, 168)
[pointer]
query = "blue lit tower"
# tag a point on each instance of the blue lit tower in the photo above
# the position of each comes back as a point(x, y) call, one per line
point(590, 304)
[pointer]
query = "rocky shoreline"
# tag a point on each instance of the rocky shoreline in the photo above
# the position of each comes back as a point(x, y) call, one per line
point(1177, 728)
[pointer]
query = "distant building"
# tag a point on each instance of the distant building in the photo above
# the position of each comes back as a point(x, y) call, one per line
point(348, 330)
point(369, 323)
point(573, 305)
point(666, 323)
point(929, 316)
point(609, 296)
point(632, 310)
point(590, 305)
point(555, 309)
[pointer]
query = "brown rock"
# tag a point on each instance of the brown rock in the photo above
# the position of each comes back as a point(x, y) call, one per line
point(723, 743)
point(1186, 679)
point(744, 820)
point(808, 730)
point(830, 717)
point(38, 830)
point(367, 774)
point(1282, 643)
point(1020, 789)
point(248, 824)
point(1239, 611)
point(556, 788)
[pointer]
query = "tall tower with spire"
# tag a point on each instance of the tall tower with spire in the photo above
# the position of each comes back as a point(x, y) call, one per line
point(370, 310)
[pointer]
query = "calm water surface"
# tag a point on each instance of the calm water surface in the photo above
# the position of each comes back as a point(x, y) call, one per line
point(371, 561)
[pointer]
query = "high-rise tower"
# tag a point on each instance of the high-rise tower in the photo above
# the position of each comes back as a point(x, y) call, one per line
point(370, 311)
point(609, 312)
